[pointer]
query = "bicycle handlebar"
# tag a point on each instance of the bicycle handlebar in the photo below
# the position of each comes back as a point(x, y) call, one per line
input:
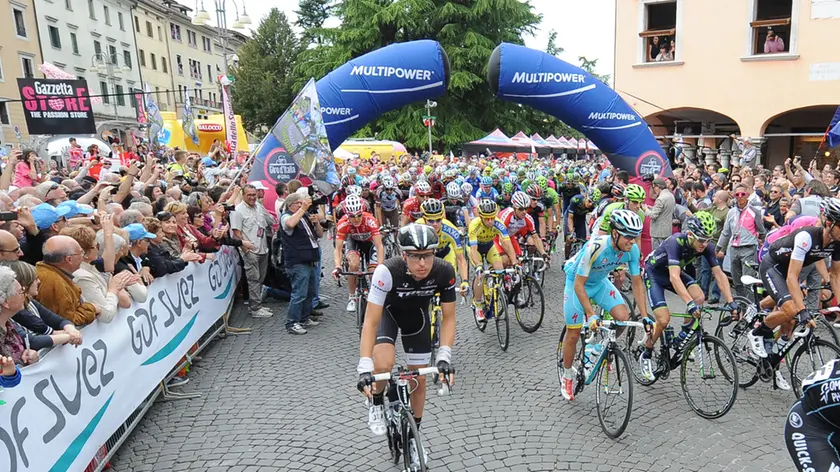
point(357, 274)
point(412, 374)
point(607, 325)
point(498, 271)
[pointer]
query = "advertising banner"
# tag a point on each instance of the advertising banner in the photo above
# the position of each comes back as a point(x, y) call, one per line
point(230, 119)
point(141, 107)
point(187, 122)
point(57, 106)
point(70, 403)
point(296, 148)
point(542, 81)
point(379, 81)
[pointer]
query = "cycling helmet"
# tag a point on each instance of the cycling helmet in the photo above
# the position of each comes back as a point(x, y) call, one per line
point(487, 208)
point(466, 188)
point(405, 178)
point(618, 189)
point(388, 182)
point(514, 179)
point(353, 205)
point(534, 191)
point(354, 190)
point(486, 180)
point(520, 200)
point(702, 225)
point(626, 222)
point(453, 190)
point(531, 175)
point(542, 182)
point(507, 187)
point(427, 169)
point(635, 193)
point(351, 171)
point(472, 170)
point(422, 188)
point(365, 183)
point(831, 209)
point(593, 194)
point(347, 181)
point(432, 208)
point(415, 237)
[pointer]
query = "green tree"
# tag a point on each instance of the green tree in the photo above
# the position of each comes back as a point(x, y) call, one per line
point(468, 30)
point(589, 66)
point(264, 79)
point(311, 16)
point(552, 47)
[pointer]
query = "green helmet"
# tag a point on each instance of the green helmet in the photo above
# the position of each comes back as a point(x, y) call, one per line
point(542, 182)
point(507, 187)
point(702, 224)
point(594, 194)
point(635, 193)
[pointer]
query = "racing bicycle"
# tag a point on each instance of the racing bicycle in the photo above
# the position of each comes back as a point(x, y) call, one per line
point(495, 304)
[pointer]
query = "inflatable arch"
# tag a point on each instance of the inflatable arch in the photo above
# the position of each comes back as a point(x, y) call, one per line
point(534, 78)
point(379, 81)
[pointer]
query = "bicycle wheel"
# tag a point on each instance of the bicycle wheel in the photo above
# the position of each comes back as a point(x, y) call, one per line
point(529, 305)
point(819, 351)
point(826, 331)
point(614, 392)
point(710, 389)
point(735, 333)
point(361, 306)
point(410, 434)
point(435, 315)
point(502, 322)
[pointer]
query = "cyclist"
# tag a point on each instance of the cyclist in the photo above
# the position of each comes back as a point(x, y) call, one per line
point(664, 271)
point(486, 190)
point(411, 208)
point(388, 203)
point(456, 210)
point(813, 422)
point(519, 224)
point(579, 207)
point(357, 232)
point(634, 196)
point(449, 239)
point(401, 290)
point(482, 233)
point(780, 269)
point(586, 279)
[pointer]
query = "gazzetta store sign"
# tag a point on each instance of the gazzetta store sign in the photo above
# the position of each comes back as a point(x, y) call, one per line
point(57, 106)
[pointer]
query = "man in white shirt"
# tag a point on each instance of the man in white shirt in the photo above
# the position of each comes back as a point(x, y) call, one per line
point(251, 222)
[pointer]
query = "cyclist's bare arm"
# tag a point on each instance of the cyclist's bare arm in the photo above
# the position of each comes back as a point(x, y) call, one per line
point(338, 252)
point(373, 314)
point(378, 211)
point(723, 283)
point(676, 283)
point(536, 241)
point(474, 256)
point(508, 247)
point(794, 270)
point(461, 261)
point(835, 278)
point(405, 220)
point(380, 249)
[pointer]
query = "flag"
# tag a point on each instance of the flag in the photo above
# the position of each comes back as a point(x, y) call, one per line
point(451, 156)
point(153, 114)
point(187, 122)
point(833, 132)
point(533, 151)
point(230, 118)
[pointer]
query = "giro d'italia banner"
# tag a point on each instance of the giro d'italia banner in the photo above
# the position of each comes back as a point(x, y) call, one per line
point(57, 106)
point(542, 81)
point(69, 404)
point(296, 148)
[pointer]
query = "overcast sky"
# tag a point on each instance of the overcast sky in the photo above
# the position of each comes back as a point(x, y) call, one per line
point(584, 27)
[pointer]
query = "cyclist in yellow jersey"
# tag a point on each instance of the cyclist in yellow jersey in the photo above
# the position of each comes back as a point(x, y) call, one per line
point(449, 245)
point(481, 234)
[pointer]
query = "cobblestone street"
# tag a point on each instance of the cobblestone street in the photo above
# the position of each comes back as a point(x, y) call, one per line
point(272, 401)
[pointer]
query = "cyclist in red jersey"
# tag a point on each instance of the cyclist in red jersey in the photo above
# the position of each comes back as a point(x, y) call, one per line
point(357, 232)
point(519, 225)
point(411, 208)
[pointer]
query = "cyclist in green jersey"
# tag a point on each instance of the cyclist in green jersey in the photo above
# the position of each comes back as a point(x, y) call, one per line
point(634, 197)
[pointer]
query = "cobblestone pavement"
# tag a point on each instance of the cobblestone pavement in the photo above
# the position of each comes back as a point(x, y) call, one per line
point(272, 401)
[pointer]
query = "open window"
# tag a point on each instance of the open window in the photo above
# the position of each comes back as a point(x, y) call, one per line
point(771, 26)
point(659, 36)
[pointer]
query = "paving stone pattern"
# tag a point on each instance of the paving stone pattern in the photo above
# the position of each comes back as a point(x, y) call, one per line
point(272, 401)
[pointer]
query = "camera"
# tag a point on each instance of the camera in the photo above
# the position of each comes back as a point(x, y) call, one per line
point(648, 177)
point(228, 207)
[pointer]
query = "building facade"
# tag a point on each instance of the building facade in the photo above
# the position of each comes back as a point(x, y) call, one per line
point(19, 57)
point(94, 40)
point(756, 68)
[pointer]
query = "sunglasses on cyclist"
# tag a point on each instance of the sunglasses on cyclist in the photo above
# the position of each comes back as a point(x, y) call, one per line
point(427, 257)
point(434, 221)
point(356, 216)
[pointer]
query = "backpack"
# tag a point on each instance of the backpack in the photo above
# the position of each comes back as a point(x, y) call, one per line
point(794, 224)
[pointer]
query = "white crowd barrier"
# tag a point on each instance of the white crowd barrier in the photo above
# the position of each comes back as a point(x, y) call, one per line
point(79, 403)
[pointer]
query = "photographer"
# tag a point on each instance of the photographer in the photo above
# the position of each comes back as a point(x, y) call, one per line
point(27, 169)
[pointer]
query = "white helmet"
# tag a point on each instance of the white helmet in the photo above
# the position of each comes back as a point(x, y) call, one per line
point(354, 190)
point(520, 200)
point(422, 188)
point(388, 182)
point(453, 190)
point(353, 205)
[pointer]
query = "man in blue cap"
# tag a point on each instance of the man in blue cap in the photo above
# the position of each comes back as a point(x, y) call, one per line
point(49, 220)
point(139, 240)
point(75, 209)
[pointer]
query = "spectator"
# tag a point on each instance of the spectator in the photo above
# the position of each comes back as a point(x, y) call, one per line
point(50, 192)
point(100, 288)
point(664, 55)
point(188, 237)
point(654, 49)
point(773, 216)
point(9, 247)
point(138, 240)
point(62, 257)
point(699, 200)
point(169, 227)
point(742, 231)
point(49, 221)
point(282, 192)
point(719, 209)
point(662, 213)
point(251, 222)
point(11, 302)
point(748, 152)
point(43, 328)
point(300, 232)
point(809, 204)
point(159, 259)
point(773, 44)
point(26, 169)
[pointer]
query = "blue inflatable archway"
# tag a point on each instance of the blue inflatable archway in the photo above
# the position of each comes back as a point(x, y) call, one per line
point(534, 78)
point(379, 81)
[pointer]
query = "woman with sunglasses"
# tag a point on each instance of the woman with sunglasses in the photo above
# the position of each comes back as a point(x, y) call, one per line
point(162, 261)
point(664, 271)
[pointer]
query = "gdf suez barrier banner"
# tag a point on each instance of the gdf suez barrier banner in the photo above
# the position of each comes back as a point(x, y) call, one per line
point(57, 106)
point(70, 403)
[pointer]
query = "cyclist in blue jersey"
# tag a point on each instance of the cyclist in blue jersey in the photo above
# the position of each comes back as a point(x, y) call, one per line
point(664, 271)
point(586, 278)
point(811, 429)
point(486, 190)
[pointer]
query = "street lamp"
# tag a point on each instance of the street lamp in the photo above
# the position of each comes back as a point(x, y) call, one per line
point(240, 22)
point(429, 105)
point(101, 63)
